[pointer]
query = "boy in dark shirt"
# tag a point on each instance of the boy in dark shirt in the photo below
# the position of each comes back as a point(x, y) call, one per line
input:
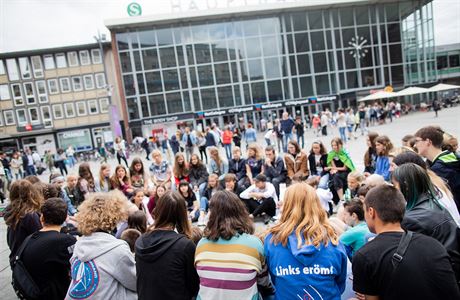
point(424, 272)
point(46, 255)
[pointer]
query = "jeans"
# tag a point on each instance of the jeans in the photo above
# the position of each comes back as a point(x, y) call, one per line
point(228, 151)
point(343, 136)
point(268, 142)
point(120, 157)
point(30, 170)
point(301, 137)
point(204, 203)
point(188, 152)
point(362, 126)
point(286, 138)
point(323, 181)
point(276, 183)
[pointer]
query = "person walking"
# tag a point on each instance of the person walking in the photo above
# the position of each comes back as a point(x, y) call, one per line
point(227, 136)
point(299, 129)
point(189, 140)
point(287, 125)
point(120, 150)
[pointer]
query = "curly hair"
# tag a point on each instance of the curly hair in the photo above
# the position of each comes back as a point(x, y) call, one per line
point(101, 212)
point(24, 199)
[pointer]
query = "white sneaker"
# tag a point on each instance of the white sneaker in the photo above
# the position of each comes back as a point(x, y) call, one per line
point(201, 220)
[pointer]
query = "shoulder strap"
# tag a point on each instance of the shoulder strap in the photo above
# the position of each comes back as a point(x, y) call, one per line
point(23, 246)
point(402, 248)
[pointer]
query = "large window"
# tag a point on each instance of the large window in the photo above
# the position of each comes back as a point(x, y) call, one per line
point(41, 91)
point(65, 84)
point(13, 72)
point(46, 116)
point(89, 82)
point(17, 94)
point(84, 57)
point(53, 86)
point(61, 61)
point(8, 116)
point(29, 93)
point(69, 110)
point(92, 107)
point(81, 108)
point(37, 66)
point(34, 115)
point(4, 92)
point(21, 117)
point(100, 80)
point(24, 65)
point(96, 56)
point(57, 111)
point(104, 105)
point(77, 84)
point(73, 59)
point(49, 62)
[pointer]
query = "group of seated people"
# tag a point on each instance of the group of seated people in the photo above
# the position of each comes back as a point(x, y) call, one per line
point(308, 251)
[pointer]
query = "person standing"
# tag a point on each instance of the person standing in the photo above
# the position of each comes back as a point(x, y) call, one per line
point(299, 130)
point(436, 107)
point(28, 163)
point(399, 264)
point(287, 124)
point(250, 136)
point(324, 122)
point(59, 160)
point(189, 141)
point(47, 252)
point(146, 147)
point(342, 124)
point(120, 150)
point(316, 124)
point(165, 254)
point(227, 136)
point(70, 153)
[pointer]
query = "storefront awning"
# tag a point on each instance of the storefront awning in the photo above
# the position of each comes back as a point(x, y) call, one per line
point(378, 95)
point(413, 90)
point(443, 87)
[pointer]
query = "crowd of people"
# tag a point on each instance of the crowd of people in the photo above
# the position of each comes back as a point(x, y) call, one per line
point(187, 229)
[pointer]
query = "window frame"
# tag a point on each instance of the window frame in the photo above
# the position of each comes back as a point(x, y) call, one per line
point(56, 84)
point(54, 111)
point(7, 90)
point(15, 98)
point(73, 110)
point(61, 56)
point(47, 57)
point(13, 70)
point(17, 116)
point(41, 95)
point(101, 106)
point(61, 85)
point(92, 81)
point(71, 53)
point(95, 62)
point(38, 72)
point(82, 61)
point(102, 76)
point(26, 65)
point(45, 120)
point(73, 84)
point(29, 109)
point(28, 97)
point(96, 106)
point(11, 112)
point(77, 104)
point(2, 67)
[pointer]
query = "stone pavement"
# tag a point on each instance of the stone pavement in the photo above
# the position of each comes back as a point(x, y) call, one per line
point(448, 119)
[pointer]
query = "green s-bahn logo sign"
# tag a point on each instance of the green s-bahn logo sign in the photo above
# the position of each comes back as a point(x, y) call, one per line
point(134, 9)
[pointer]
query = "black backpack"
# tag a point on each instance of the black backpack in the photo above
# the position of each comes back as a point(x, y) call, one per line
point(23, 283)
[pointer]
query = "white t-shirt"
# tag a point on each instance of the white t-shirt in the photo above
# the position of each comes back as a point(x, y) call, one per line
point(449, 204)
point(341, 120)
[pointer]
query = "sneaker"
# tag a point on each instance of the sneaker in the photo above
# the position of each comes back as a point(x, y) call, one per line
point(267, 219)
point(201, 220)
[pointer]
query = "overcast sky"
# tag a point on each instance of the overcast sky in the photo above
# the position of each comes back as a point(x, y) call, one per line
point(35, 24)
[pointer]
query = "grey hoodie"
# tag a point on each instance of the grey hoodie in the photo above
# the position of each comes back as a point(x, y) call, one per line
point(102, 268)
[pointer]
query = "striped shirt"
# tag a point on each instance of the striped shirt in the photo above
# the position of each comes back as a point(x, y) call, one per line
point(231, 269)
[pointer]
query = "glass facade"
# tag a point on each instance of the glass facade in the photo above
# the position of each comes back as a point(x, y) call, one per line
point(232, 62)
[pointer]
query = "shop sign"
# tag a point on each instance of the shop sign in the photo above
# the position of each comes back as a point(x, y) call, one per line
point(298, 102)
point(73, 134)
point(240, 109)
point(213, 113)
point(30, 127)
point(134, 9)
point(267, 106)
point(167, 119)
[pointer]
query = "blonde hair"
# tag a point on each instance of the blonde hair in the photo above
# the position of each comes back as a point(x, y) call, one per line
point(256, 149)
point(214, 153)
point(304, 215)
point(439, 183)
point(357, 175)
point(101, 212)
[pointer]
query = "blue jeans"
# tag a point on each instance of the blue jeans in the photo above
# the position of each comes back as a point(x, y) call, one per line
point(343, 136)
point(301, 137)
point(268, 142)
point(228, 151)
point(286, 138)
point(204, 203)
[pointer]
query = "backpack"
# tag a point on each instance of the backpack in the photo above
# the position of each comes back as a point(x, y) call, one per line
point(23, 283)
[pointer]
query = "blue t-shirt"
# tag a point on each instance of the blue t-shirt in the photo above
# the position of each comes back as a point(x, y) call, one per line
point(382, 167)
point(355, 237)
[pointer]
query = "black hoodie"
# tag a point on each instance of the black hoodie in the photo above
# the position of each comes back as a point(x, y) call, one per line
point(165, 266)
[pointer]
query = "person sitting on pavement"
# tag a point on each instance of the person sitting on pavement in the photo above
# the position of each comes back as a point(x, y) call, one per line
point(260, 198)
point(355, 236)
point(274, 168)
point(237, 166)
point(296, 162)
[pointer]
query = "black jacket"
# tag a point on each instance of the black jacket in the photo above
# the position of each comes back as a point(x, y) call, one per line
point(237, 167)
point(276, 169)
point(198, 175)
point(447, 166)
point(165, 266)
point(312, 164)
point(429, 219)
